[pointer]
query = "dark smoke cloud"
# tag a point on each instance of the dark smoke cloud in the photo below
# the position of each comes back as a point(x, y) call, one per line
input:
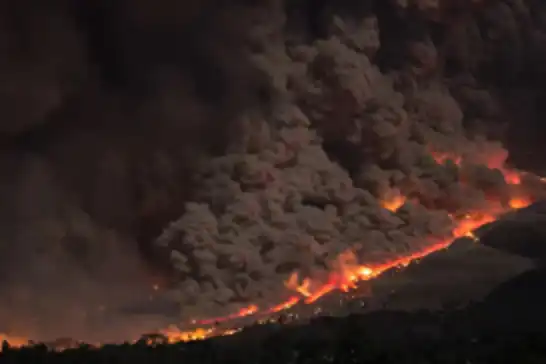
point(344, 132)
point(106, 107)
point(109, 107)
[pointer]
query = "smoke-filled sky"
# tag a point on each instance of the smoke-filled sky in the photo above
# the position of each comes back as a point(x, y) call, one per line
point(106, 108)
point(268, 132)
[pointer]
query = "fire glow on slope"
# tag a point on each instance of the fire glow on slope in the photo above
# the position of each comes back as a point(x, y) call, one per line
point(348, 271)
point(308, 291)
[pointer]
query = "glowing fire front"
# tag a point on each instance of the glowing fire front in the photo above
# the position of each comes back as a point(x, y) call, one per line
point(347, 271)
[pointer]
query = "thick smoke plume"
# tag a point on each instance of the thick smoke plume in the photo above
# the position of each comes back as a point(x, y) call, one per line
point(285, 199)
point(107, 107)
point(271, 135)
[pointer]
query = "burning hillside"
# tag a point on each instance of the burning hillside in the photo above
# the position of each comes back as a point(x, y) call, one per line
point(329, 152)
point(279, 204)
point(347, 275)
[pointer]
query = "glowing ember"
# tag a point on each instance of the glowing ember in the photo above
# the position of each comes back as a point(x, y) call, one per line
point(442, 158)
point(518, 203)
point(246, 311)
point(174, 335)
point(511, 177)
point(394, 201)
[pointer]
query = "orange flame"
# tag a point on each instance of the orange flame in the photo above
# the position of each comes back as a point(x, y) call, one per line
point(518, 203)
point(394, 202)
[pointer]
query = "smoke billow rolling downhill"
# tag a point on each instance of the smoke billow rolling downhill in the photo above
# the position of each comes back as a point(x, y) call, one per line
point(347, 132)
point(269, 133)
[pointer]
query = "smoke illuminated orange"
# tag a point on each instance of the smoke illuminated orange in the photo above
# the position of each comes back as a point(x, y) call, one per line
point(441, 158)
point(347, 270)
point(393, 203)
point(13, 340)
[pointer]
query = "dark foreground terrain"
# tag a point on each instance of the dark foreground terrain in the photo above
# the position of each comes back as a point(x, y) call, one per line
point(507, 326)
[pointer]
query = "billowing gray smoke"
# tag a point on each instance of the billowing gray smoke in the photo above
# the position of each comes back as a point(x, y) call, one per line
point(295, 120)
point(280, 201)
